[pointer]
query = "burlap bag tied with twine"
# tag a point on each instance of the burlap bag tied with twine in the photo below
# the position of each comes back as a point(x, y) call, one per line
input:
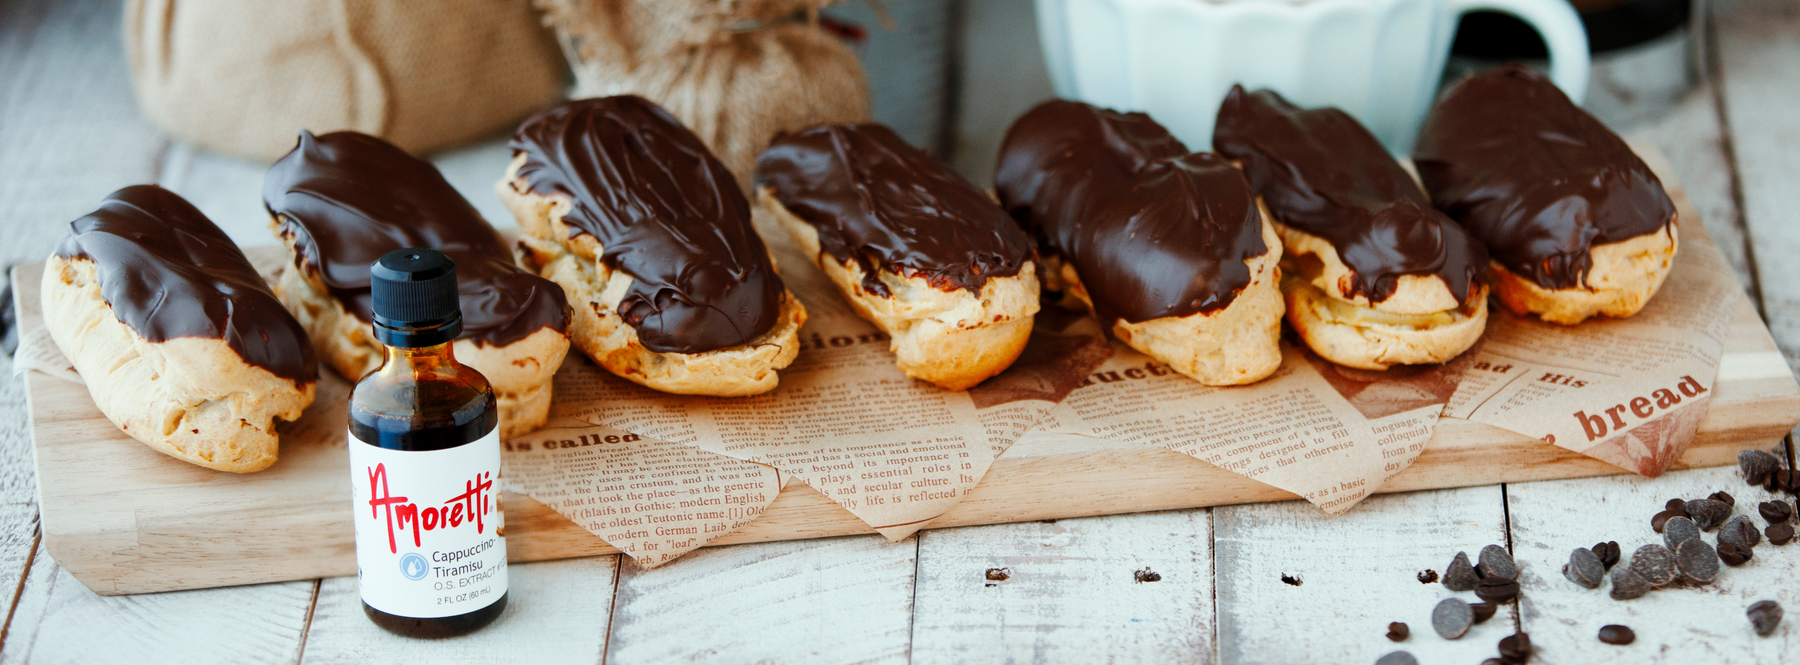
point(737, 72)
point(243, 77)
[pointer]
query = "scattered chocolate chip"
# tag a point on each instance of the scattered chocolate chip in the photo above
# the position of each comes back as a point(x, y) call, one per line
point(1146, 575)
point(1291, 580)
point(1740, 530)
point(1757, 465)
point(1764, 615)
point(999, 574)
point(1493, 661)
point(1452, 618)
point(1707, 513)
point(1724, 498)
point(1654, 563)
point(1496, 562)
point(1678, 529)
point(1779, 534)
point(1497, 590)
point(1398, 631)
point(1516, 648)
point(1483, 611)
point(1660, 521)
point(1427, 576)
point(1397, 658)
point(1775, 511)
point(1733, 554)
point(1698, 561)
point(1617, 634)
point(1627, 585)
point(1584, 568)
point(1674, 504)
point(1608, 553)
point(1460, 576)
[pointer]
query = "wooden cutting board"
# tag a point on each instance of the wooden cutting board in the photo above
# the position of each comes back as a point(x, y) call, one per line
point(124, 519)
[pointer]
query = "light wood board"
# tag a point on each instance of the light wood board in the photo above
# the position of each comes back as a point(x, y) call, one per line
point(123, 519)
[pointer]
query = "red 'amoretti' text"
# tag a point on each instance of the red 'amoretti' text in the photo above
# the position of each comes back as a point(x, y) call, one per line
point(471, 507)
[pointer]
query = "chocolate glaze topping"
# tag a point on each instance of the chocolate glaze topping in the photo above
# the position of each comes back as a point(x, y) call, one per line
point(1321, 172)
point(168, 272)
point(1535, 177)
point(1152, 230)
point(885, 204)
point(666, 211)
point(348, 198)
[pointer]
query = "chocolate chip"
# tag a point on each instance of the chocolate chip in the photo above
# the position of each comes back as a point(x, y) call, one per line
point(1707, 513)
point(1146, 575)
point(1584, 568)
point(1460, 576)
point(1496, 562)
point(1654, 563)
point(1497, 589)
point(1493, 661)
point(1483, 611)
point(1516, 648)
point(1617, 634)
point(1779, 534)
point(1698, 561)
point(1291, 580)
point(1724, 498)
point(1398, 631)
point(1769, 483)
point(1397, 658)
point(1674, 504)
point(1608, 553)
point(1757, 465)
point(999, 574)
point(1775, 511)
point(1678, 529)
point(1733, 554)
point(1740, 530)
point(1660, 521)
point(1427, 576)
point(1452, 618)
point(1764, 615)
point(1627, 585)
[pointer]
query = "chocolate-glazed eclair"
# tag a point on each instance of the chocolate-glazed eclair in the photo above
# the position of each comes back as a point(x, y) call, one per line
point(1576, 222)
point(1375, 276)
point(1168, 249)
point(179, 340)
point(341, 200)
point(913, 246)
point(651, 239)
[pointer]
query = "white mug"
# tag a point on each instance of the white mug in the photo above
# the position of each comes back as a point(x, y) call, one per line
point(1378, 60)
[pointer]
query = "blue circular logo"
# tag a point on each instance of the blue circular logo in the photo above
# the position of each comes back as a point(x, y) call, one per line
point(413, 566)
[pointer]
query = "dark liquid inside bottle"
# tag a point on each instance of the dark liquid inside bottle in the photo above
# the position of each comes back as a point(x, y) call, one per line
point(422, 400)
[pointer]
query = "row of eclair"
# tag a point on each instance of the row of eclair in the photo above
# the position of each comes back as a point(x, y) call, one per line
point(638, 247)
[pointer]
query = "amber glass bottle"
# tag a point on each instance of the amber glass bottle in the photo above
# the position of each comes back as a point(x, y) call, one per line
point(425, 462)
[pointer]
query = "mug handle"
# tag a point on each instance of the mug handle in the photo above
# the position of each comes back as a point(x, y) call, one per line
point(1559, 25)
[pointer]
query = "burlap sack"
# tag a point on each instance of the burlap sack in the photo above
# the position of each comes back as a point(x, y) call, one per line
point(244, 76)
point(737, 72)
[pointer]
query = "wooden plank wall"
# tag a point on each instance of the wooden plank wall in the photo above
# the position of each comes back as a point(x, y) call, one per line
point(70, 132)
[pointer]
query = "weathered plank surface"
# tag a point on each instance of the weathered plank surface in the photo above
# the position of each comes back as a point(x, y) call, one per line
point(556, 613)
point(1298, 586)
point(1676, 625)
point(842, 600)
point(59, 621)
point(1073, 589)
point(1758, 44)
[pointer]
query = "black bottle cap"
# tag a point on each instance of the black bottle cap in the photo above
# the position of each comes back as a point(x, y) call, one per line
point(413, 297)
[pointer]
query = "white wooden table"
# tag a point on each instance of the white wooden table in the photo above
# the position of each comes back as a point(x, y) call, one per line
point(70, 133)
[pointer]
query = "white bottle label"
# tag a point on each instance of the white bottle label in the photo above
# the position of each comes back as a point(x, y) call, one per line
point(429, 536)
